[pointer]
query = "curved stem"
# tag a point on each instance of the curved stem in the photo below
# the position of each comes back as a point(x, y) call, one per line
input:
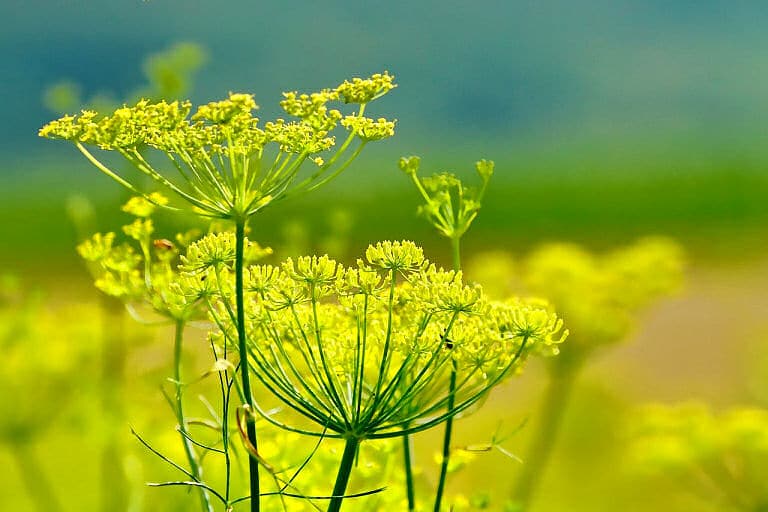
point(456, 253)
point(106, 170)
point(340, 169)
point(342, 477)
point(225, 387)
point(189, 450)
point(555, 402)
point(253, 464)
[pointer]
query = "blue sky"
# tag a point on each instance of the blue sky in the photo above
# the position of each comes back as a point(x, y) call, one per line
point(557, 77)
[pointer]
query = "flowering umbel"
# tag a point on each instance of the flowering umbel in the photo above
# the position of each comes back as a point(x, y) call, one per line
point(147, 271)
point(227, 164)
point(366, 351)
point(449, 205)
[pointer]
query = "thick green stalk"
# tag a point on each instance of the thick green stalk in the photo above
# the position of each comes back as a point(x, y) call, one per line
point(250, 424)
point(189, 450)
point(342, 477)
point(456, 252)
point(554, 404)
point(409, 488)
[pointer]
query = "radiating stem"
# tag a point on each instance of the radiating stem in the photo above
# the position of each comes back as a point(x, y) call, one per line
point(345, 470)
point(456, 252)
point(250, 424)
point(189, 449)
point(554, 404)
point(409, 488)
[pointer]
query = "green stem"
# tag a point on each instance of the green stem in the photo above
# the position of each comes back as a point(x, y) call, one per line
point(189, 450)
point(37, 483)
point(446, 440)
point(409, 488)
point(554, 405)
point(456, 252)
point(250, 424)
point(342, 478)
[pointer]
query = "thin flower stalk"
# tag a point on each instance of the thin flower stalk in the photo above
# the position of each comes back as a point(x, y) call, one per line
point(253, 464)
point(445, 460)
point(189, 449)
point(450, 207)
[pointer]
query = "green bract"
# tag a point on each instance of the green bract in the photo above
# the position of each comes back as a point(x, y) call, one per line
point(366, 352)
point(227, 164)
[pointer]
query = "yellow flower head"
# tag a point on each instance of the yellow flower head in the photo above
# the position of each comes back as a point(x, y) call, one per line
point(214, 155)
point(365, 90)
point(368, 350)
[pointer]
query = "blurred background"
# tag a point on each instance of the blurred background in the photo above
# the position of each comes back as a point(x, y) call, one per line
point(607, 121)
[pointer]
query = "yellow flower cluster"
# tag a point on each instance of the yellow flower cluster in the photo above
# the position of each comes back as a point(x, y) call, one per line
point(235, 111)
point(127, 127)
point(218, 250)
point(117, 273)
point(312, 108)
point(148, 272)
point(367, 351)
point(216, 151)
point(365, 90)
point(402, 256)
point(368, 129)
